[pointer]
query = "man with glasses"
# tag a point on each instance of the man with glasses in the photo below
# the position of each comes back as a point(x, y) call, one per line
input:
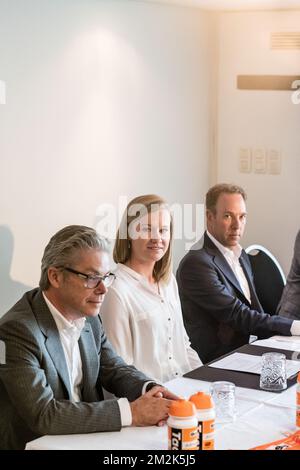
point(58, 357)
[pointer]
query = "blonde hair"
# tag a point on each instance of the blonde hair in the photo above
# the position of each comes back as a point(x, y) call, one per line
point(136, 209)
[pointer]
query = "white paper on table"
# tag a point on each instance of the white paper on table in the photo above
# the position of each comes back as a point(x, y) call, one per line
point(250, 363)
point(291, 343)
point(290, 339)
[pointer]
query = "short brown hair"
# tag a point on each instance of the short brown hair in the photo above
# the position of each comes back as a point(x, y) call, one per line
point(215, 192)
point(122, 248)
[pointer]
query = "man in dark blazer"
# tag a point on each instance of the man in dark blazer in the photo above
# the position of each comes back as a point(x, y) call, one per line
point(289, 305)
point(220, 306)
point(57, 356)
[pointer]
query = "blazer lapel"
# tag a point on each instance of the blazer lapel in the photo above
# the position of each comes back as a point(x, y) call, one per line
point(222, 264)
point(255, 303)
point(52, 343)
point(90, 363)
point(55, 349)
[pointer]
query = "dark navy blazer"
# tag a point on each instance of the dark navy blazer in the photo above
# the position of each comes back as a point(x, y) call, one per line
point(217, 316)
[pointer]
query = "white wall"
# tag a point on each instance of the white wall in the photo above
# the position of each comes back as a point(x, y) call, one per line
point(103, 98)
point(260, 119)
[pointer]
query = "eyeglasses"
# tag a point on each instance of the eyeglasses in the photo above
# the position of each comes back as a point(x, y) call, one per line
point(93, 281)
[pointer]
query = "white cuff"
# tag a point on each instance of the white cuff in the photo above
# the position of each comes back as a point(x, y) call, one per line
point(125, 411)
point(146, 384)
point(295, 328)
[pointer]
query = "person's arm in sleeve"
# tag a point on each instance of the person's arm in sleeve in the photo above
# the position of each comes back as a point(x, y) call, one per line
point(193, 357)
point(207, 291)
point(30, 393)
point(115, 320)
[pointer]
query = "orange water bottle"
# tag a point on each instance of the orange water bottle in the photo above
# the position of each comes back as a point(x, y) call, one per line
point(206, 420)
point(182, 426)
point(298, 402)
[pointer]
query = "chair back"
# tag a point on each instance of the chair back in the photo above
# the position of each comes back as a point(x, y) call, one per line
point(269, 278)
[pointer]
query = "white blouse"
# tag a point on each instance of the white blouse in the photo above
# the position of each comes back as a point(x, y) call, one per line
point(146, 328)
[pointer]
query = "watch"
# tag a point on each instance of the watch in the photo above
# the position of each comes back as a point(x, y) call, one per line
point(151, 385)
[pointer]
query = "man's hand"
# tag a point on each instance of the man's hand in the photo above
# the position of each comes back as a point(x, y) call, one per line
point(153, 407)
point(162, 392)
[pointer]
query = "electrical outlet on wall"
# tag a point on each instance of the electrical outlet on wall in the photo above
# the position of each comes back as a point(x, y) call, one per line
point(245, 160)
point(2, 92)
point(274, 162)
point(259, 160)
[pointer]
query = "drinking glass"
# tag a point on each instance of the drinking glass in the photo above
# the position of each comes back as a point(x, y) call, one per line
point(273, 372)
point(223, 395)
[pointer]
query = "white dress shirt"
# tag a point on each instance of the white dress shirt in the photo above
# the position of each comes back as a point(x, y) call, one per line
point(232, 257)
point(146, 327)
point(69, 332)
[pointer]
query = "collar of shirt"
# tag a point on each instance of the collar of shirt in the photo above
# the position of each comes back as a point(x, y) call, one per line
point(70, 328)
point(140, 278)
point(234, 253)
point(232, 258)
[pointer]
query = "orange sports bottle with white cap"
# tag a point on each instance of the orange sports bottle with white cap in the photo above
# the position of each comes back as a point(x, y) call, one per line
point(206, 420)
point(182, 426)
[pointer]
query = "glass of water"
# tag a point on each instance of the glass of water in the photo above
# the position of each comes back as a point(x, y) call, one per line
point(223, 395)
point(273, 372)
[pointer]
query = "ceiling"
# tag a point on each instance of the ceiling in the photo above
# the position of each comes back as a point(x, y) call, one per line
point(234, 5)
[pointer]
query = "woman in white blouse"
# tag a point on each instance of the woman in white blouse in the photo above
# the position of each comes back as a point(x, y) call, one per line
point(141, 311)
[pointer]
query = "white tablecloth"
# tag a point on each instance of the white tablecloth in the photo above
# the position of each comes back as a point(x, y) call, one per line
point(261, 417)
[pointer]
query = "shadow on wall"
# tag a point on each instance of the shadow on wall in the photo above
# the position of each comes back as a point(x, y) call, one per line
point(10, 290)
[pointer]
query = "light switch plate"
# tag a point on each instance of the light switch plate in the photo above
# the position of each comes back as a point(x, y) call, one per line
point(259, 160)
point(245, 160)
point(274, 161)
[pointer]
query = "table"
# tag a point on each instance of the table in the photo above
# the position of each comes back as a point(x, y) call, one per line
point(261, 417)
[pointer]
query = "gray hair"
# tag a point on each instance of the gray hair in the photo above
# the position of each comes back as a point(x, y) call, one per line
point(64, 244)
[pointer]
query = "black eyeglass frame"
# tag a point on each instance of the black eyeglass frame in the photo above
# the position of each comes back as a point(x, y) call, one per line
point(90, 277)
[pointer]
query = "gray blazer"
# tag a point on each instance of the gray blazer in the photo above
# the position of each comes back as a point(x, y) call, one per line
point(34, 383)
point(289, 305)
point(217, 316)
